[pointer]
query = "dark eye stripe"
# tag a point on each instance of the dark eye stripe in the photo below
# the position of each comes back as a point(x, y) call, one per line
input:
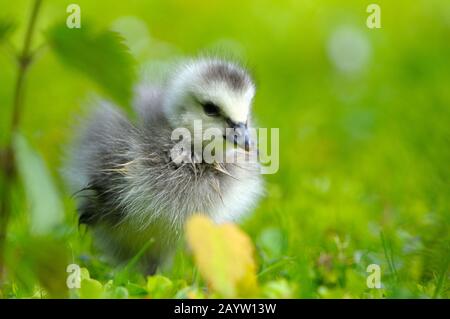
point(211, 109)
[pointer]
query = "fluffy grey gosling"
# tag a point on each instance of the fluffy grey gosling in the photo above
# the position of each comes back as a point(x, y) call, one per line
point(130, 189)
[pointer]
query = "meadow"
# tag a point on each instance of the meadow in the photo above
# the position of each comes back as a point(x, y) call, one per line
point(364, 122)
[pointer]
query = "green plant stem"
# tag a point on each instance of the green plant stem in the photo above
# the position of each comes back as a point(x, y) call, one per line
point(7, 164)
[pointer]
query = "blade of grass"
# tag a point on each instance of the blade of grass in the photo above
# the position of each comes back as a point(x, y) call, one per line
point(441, 278)
point(389, 255)
point(123, 273)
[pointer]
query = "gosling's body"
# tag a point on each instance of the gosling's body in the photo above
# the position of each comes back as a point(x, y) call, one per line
point(133, 191)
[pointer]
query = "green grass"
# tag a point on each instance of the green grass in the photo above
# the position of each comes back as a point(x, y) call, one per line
point(364, 154)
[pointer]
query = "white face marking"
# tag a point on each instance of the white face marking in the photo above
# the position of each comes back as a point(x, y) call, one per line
point(235, 105)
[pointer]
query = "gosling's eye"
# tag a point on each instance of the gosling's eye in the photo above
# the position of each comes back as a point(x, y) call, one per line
point(211, 109)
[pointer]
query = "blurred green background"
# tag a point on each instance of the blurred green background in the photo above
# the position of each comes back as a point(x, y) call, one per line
point(364, 120)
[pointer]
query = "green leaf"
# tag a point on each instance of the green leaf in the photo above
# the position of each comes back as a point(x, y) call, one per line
point(277, 289)
point(90, 289)
point(6, 28)
point(46, 209)
point(160, 287)
point(121, 293)
point(136, 290)
point(102, 56)
point(84, 273)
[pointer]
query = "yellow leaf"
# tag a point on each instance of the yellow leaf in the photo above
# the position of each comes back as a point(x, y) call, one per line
point(224, 256)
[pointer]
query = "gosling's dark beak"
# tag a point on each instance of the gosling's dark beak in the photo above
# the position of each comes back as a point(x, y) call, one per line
point(239, 135)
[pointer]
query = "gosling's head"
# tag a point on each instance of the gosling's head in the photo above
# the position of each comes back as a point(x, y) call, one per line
point(217, 92)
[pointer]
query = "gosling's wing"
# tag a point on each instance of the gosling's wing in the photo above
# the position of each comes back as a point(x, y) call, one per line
point(104, 142)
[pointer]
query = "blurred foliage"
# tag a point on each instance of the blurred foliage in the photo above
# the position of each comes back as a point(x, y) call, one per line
point(364, 141)
point(103, 57)
point(6, 28)
point(44, 214)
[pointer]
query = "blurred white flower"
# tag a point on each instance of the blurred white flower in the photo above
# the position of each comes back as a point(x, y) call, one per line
point(349, 49)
